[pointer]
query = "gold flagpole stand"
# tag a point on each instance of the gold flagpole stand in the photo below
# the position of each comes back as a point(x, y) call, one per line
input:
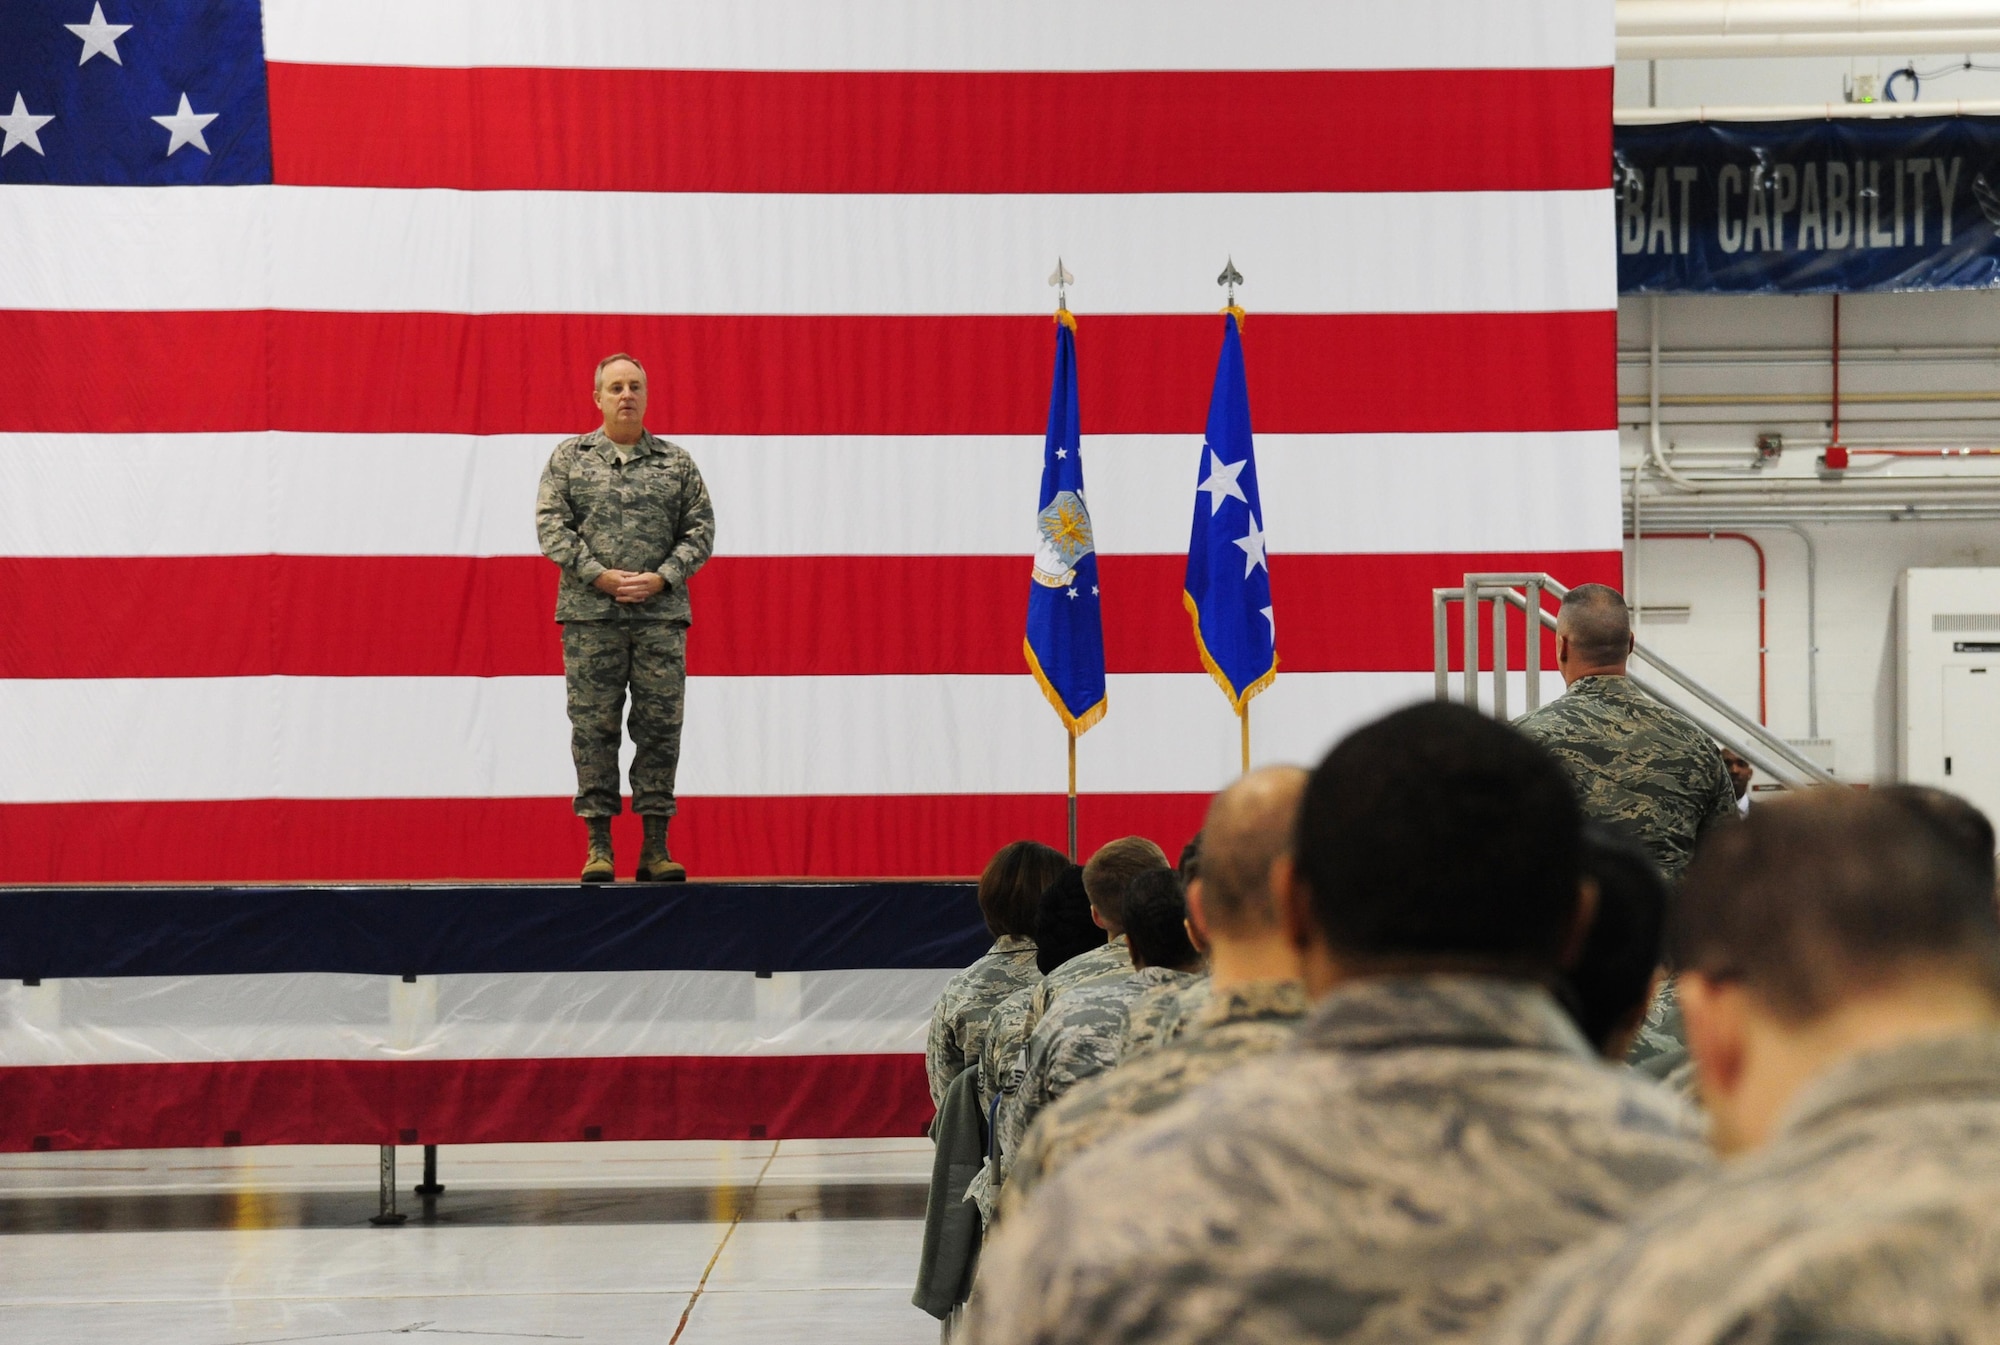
point(1072, 796)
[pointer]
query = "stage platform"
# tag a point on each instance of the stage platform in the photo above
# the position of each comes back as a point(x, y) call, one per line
point(147, 1017)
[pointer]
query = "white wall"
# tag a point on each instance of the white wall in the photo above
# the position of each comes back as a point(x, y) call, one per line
point(1859, 564)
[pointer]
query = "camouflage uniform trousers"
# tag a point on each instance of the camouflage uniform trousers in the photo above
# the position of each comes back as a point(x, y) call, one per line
point(601, 659)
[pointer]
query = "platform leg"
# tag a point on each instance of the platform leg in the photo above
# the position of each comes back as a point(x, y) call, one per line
point(430, 1185)
point(388, 1218)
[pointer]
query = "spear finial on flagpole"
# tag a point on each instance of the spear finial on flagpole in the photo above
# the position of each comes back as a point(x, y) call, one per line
point(1062, 280)
point(1229, 280)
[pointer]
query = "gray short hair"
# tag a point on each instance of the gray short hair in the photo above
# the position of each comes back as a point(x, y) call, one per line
point(597, 379)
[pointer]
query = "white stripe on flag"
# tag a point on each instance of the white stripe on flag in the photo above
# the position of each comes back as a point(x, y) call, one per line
point(918, 35)
point(463, 495)
point(363, 250)
point(497, 1016)
point(468, 737)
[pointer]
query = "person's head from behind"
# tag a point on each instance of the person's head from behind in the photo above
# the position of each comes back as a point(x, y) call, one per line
point(1248, 829)
point(1969, 828)
point(1156, 922)
point(1064, 927)
point(1827, 924)
point(1010, 890)
point(1609, 987)
point(1435, 840)
point(1593, 632)
point(1109, 874)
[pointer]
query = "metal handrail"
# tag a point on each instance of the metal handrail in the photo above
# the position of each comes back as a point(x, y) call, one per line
point(1751, 740)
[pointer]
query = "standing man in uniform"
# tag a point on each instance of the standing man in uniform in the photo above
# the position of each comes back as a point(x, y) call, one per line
point(627, 519)
point(1633, 760)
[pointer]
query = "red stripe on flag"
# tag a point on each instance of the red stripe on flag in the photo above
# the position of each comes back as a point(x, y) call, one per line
point(417, 840)
point(204, 1104)
point(937, 132)
point(453, 616)
point(103, 372)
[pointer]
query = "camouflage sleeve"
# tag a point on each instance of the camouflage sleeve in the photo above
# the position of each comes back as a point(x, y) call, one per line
point(555, 521)
point(1721, 800)
point(696, 541)
point(944, 1056)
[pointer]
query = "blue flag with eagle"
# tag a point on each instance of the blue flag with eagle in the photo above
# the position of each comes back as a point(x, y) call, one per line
point(1228, 573)
point(1065, 644)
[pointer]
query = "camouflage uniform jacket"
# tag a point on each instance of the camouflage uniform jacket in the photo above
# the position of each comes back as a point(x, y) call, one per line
point(603, 507)
point(958, 1024)
point(1243, 1021)
point(1394, 1176)
point(1869, 1217)
point(1080, 1036)
point(1000, 1045)
point(1161, 1015)
point(1638, 762)
point(1113, 959)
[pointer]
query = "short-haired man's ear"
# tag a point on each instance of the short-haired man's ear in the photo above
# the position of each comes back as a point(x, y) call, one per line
point(1713, 1012)
point(1197, 918)
point(1631, 645)
point(1098, 920)
point(1562, 649)
point(1293, 902)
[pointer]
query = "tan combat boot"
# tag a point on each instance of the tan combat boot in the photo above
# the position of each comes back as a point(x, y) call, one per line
point(655, 864)
point(597, 860)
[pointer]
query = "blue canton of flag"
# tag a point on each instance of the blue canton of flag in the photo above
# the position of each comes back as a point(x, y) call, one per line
point(115, 93)
point(1228, 573)
point(1065, 644)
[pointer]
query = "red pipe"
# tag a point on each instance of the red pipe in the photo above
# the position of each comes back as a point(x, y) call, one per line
point(1763, 661)
point(1836, 452)
point(1926, 452)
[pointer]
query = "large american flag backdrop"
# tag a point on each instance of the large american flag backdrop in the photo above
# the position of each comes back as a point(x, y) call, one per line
point(295, 301)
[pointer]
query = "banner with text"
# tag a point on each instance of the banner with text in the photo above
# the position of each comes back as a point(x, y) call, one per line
point(1808, 206)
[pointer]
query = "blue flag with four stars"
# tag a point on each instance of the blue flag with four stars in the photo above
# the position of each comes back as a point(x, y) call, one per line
point(1065, 643)
point(1228, 573)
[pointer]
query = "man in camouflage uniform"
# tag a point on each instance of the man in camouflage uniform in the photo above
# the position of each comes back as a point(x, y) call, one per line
point(626, 518)
point(1840, 970)
point(1249, 1006)
point(1635, 762)
point(1105, 878)
point(1082, 1033)
point(1161, 1015)
point(1440, 1130)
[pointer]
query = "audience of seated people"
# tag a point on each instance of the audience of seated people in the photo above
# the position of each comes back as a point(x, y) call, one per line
point(1394, 1108)
point(1254, 1000)
point(1839, 962)
point(1083, 1031)
point(1010, 890)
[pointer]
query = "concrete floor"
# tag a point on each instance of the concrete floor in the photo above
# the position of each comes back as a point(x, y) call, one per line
point(701, 1243)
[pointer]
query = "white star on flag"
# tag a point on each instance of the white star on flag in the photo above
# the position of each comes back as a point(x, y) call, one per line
point(1221, 484)
point(99, 38)
point(186, 126)
point(1062, 453)
point(1253, 551)
point(21, 126)
point(1274, 624)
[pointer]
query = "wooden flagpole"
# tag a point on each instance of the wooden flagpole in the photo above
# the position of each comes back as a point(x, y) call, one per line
point(1244, 715)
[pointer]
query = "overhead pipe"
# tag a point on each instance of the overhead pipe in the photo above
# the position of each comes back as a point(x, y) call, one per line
point(1662, 116)
point(1692, 18)
point(1651, 30)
